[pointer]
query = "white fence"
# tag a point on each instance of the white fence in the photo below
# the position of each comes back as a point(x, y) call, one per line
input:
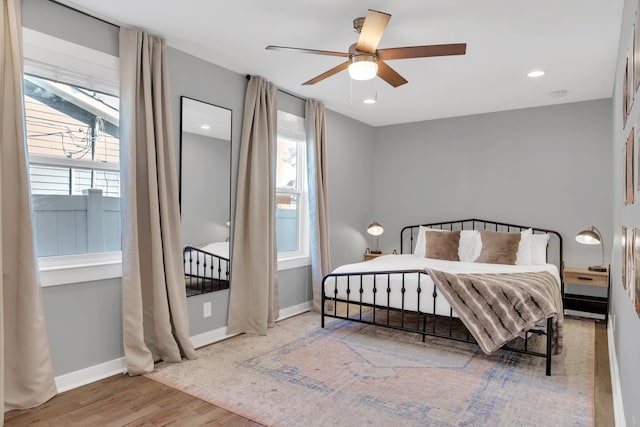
point(66, 225)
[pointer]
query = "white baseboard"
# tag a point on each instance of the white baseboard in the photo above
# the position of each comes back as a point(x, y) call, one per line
point(616, 390)
point(91, 374)
point(118, 366)
point(294, 310)
point(210, 337)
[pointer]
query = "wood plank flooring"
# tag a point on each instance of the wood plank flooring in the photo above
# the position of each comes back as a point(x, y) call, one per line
point(137, 401)
point(602, 385)
point(125, 401)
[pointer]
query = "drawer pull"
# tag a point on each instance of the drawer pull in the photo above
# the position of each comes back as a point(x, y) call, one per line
point(585, 278)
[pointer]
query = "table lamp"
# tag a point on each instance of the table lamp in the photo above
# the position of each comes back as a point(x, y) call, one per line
point(592, 236)
point(375, 229)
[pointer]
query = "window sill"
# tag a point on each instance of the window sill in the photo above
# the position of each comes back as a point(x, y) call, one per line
point(68, 269)
point(289, 263)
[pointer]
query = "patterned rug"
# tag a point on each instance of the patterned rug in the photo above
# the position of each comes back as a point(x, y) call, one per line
point(352, 374)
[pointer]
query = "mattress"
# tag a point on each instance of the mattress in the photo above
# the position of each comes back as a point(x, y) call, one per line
point(411, 300)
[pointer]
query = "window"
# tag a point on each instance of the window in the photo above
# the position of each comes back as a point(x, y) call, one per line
point(72, 138)
point(72, 127)
point(292, 222)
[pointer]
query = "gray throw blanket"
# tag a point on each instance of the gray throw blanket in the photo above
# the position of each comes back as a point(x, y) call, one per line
point(496, 308)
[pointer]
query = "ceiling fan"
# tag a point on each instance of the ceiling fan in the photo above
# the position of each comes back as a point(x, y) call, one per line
point(365, 61)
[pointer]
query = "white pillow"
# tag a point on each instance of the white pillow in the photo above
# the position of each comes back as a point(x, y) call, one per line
point(523, 257)
point(539, 248)
point(420, 242)
point(470, 245)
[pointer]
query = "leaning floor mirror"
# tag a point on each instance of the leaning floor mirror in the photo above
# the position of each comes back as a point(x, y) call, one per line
point(205, 195)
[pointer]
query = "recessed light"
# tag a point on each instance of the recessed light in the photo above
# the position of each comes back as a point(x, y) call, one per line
point(205, 127)
point(536, 73)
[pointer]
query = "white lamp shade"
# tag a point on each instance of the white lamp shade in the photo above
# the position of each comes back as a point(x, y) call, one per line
point(363, 67)
point(375, 229)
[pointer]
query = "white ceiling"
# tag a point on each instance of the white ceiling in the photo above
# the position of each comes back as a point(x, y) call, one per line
point(196, 114)
point(576, 41)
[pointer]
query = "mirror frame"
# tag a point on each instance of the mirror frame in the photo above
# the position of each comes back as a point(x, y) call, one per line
point(198, 281)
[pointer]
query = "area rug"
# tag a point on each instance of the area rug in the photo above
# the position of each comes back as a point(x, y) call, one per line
point(350, 374)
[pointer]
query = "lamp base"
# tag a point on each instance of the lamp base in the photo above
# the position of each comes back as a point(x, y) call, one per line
point(598, 268)
point(376, 252)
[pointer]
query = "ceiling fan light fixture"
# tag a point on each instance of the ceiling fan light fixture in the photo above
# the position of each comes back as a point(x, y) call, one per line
point(363, 67)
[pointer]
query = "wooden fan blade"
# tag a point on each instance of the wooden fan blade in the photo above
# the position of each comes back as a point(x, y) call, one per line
point(328, 73)
point(372, 30)
point(390, 75)
point(314, 51)
point(422, 51)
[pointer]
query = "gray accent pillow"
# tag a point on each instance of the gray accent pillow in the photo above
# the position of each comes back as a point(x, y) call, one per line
point(498, 247)
point(442, 245)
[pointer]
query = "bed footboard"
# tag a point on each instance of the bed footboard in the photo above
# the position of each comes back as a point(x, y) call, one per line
point(407, 300)
point(204, 271)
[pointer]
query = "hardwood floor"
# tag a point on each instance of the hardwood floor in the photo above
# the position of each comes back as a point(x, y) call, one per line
point(137, 401)
point(602, 385)
point(125, 401)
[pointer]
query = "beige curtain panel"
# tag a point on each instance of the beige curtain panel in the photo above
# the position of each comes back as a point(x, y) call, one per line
point(155, 318)
point(26, 371)
point(315, 128)
point(253, 301)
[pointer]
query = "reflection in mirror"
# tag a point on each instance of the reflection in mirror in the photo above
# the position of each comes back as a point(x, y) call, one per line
point(205, 195)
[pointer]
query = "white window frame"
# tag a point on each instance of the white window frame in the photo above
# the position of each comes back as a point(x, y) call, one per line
point(301, 257)
point(52, 58)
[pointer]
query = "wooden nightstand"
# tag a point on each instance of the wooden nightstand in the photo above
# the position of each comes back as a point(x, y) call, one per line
point(369, 256)
point(587, 303)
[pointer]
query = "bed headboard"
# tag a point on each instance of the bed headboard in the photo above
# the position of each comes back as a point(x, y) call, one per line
point(554, 249)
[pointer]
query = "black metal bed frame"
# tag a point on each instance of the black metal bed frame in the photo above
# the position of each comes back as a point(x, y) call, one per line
point(209, 275)
point(420, 320)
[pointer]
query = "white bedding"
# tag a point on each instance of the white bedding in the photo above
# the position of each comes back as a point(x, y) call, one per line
point(221, 249)
point(218, 248)
point(413, 262)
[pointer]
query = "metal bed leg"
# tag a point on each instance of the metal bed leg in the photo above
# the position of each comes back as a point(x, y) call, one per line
point(549, 343)
point(322, 308)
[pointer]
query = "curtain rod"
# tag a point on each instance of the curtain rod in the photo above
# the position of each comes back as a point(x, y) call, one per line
point(248, 76)
point(84, 13)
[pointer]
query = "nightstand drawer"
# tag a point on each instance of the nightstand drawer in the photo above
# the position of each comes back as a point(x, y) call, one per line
point(588, 278)
point(586, 303)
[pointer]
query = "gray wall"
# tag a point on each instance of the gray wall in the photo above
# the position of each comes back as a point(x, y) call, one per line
point(625, 321)
point(67, 24)
point(84, 324)
point(350, 181)
point(294, 286)
point(548, 166)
